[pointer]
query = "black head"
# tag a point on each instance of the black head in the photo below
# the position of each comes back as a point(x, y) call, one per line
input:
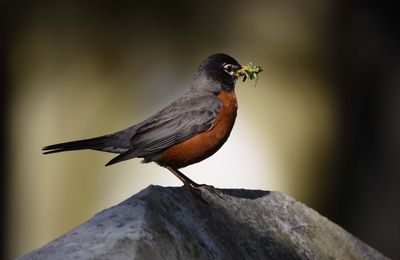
point(219, 68)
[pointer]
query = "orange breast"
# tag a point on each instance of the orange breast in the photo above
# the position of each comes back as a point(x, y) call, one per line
point(206, 143)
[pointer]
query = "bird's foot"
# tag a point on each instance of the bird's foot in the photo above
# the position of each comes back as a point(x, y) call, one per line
point(210, 188)
point(195, 191)
point(193, 186)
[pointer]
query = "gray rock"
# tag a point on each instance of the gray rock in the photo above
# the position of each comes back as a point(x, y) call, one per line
point(172, 223)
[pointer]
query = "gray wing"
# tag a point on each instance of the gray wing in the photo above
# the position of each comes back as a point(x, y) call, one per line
point(191, 114)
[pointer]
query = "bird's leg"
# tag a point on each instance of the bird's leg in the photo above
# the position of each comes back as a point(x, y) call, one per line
point(187, 182)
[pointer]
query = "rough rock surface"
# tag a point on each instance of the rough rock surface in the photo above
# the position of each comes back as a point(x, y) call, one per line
point(172, 223)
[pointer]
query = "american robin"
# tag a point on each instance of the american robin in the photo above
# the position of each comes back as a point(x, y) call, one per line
point(187, 131)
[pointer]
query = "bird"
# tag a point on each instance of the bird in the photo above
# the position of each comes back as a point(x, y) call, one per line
point(189, 130)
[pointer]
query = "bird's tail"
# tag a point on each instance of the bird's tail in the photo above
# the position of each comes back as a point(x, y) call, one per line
point(96, 143)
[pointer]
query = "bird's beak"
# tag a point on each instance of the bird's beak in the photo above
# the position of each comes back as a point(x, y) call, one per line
point(239, 72)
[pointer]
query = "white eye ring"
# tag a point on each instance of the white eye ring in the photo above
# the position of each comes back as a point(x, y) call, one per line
point(229, 69)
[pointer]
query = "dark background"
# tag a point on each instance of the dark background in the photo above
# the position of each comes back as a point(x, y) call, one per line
point(355, 51)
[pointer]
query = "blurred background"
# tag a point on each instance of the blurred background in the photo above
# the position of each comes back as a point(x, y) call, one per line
point(322, 123)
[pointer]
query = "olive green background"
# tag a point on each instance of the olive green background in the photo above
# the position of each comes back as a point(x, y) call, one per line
point(321, 123)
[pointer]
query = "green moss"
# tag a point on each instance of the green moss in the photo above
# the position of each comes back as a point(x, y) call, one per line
point(249, 71)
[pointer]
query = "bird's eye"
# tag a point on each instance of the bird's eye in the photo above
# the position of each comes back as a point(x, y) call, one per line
point(229, 69)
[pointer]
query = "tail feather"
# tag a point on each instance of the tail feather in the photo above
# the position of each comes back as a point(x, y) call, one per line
point(96, 143)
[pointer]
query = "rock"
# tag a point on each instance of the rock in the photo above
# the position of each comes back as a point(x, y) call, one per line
point(173, 223)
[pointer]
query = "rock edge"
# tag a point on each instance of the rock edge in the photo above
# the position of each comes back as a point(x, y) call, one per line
point(172, 223)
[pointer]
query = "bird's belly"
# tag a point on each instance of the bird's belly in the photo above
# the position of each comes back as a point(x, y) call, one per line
point(204, 144)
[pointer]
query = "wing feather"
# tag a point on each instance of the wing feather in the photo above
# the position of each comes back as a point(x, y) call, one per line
point(189, 115)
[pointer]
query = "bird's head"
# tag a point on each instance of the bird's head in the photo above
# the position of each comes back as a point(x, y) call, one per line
point(218, 71)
